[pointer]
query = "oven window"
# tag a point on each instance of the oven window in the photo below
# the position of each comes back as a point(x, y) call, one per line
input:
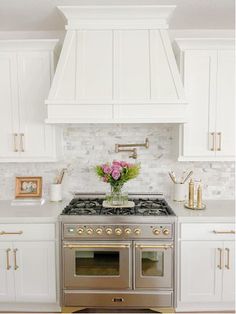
point(97, 263)
point(152, 263)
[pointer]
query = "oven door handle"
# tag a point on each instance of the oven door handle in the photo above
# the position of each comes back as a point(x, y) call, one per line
point(165, 246)
point(96, 246)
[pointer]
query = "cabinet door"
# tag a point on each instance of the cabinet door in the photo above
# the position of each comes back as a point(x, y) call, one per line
point(200, 271)
point(7, 292)
point(35, 274)
point(229, 272)
point(225, 104)
point(200, 86)
point(37, 138)
point(9, 120)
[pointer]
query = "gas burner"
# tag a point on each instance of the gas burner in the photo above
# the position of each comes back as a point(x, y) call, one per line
point(143, 207)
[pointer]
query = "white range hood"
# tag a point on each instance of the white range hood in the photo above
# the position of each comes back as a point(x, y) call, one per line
point(116, 66)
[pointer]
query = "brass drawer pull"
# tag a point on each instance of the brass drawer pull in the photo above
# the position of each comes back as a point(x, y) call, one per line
point(227, 264)
point(165, 246)
point(8, 259)
point(219, 145)
point(96, 246)
point(224, 232)
point(213, 147)
point(15, 261)
point(22, 142)
point(15, 136)
point(220, 263)
point(11, 233)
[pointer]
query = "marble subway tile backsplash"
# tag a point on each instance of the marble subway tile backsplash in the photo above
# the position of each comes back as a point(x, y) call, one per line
point(86, 145)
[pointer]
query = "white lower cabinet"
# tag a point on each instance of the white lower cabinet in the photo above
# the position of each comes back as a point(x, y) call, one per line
point(7, 289)
point(206, 268)
point(35, 273)
point(201, 278)
point(228, 293)
point(27, 268)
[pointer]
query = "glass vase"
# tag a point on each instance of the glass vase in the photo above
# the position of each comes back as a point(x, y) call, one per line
point(116, 197)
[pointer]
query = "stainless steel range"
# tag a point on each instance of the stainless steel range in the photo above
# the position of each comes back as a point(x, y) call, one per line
point(118, 257)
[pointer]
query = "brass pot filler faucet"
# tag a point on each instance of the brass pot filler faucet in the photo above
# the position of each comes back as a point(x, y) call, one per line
point(134, 155)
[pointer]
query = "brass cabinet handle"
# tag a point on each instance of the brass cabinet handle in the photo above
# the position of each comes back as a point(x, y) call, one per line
point(165, 246)
point(22, 142)
point(213, 147)
point(15, 261)
point(224, 232)
point(11, 233)
point(219, 144)
point(96, 246)
point(220, 263)
point(227, 258)
point(15, 137)
point(8, 258)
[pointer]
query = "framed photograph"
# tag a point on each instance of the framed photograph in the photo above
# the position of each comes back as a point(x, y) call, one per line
point(27, 187)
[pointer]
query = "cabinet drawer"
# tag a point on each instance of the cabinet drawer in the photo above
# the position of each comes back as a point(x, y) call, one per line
point(119, 299)
point(22, 232)
point(206, 231)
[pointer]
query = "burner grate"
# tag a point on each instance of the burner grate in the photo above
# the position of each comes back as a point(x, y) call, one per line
point(143, 207)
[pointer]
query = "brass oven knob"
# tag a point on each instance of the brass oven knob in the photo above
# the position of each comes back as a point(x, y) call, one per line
point(165, 231)
point(99, 231)
point(80, 230)
point(137, 231)
point(89, 231)
point(118, 231)
point(128, 231)
point(108, 231)
point(156, 231)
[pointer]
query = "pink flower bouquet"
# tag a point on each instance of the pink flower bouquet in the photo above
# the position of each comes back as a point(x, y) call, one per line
point(117, 173)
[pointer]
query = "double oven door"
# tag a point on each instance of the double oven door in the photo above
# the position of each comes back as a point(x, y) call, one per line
point(118, 265)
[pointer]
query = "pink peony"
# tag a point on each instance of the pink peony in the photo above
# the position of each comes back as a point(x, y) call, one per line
point(124, 164)
point(106, 169)
point(115, 174)
point(116, 163)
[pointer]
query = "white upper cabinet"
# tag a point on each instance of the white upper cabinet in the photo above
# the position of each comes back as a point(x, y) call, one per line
point(207, 68)
point(25, 79)
point(9, 112)
point(116, 65)
point(225, 104)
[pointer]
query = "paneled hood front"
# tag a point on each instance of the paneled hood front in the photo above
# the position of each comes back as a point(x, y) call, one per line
point(116, 66)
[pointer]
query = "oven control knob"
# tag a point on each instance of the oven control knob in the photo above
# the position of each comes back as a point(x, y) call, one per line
point(128, 231)
point(165, 231)
point(80, 230)
point(99, 231)
point(118, 231)
point(89, 231)
point(108, 231)
point(137, 231)
point(156, 231)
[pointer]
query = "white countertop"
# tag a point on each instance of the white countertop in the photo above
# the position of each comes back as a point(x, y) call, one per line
point(46, 213)
point(216, 211)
